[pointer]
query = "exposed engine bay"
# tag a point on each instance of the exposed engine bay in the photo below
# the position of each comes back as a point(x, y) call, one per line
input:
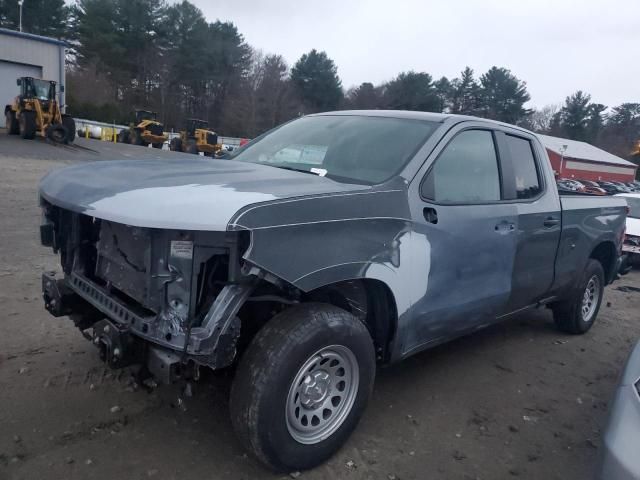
point(180, 291)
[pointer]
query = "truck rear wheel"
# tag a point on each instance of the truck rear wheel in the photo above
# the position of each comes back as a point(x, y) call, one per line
point(27, 124)
point(577, 314)
point(302, 386)
point(11, 122)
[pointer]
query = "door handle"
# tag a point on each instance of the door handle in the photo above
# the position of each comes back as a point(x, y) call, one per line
point(430, 215)
point(505, 227)
point(551, 222)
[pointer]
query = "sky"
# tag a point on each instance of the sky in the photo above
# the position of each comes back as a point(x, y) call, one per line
point(556, 46)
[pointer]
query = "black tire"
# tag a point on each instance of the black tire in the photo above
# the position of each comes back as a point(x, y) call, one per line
point(264, 380)
point(70, 124)
point(27, 123)
point(569, 315)
point(57, 133)
point(123, 136)
point(11, 122)
point(192, 148)
point(175, 145)
point(157, 145)
point(135, 138)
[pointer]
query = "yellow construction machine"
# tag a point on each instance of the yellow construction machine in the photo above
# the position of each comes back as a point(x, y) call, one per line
point(36, 111)
point(196, 138)
point(146, 130)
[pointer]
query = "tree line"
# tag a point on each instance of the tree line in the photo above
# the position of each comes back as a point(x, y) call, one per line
point(168, 58)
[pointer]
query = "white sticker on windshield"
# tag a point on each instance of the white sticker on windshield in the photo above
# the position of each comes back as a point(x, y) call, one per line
point(321, 172)
point(181, 249)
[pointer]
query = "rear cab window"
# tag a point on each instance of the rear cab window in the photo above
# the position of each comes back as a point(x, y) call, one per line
point(525, 169)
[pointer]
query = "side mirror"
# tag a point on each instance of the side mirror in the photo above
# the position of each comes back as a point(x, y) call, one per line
point(19, 82)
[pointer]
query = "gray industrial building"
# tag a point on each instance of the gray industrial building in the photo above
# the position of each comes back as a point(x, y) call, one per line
point(27, 55)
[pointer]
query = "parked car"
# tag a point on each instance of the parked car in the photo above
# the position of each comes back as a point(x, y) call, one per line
point(619, 459)
point(306, 271)
point(623, 187)
point(633, 186)
point(611, 188)
point(564, 188)
point(570, 185)
point(573, 184)
point(631, 244)
point(593, 188)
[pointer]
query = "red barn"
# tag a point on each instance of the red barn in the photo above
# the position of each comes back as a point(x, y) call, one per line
point(581, 160)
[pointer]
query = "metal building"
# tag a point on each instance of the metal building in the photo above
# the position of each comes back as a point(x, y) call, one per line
point(27, 55)
point(581, 160)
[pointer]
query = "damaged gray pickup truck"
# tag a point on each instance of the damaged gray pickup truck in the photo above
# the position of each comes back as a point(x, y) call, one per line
point(326, 247)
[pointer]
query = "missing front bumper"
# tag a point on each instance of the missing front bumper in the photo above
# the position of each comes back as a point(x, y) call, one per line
point(211, 343)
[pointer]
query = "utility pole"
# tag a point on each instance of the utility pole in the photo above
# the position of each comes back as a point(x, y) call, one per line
point(20, 2)
point(562, 150)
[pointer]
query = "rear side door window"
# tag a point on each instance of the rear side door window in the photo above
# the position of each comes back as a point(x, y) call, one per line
point(466, 171)
point(525, 170)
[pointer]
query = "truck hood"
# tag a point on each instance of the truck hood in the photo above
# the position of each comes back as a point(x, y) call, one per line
point(189, 194)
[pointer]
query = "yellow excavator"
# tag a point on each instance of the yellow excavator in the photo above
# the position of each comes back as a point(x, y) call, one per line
point(146, 130)
point(196, 138)
point(36, 111)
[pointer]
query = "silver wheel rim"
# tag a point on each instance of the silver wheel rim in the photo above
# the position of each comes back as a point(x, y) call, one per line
point(322, 394)
point(590, 298)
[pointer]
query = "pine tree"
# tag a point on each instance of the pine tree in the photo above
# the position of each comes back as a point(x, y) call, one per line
point(503, 95)
point(465, 94)
point(315, 78)
point(575, 116)
point(621, 132)
point(412, 91)
point(443, 91)
point(49, 18)
point(595, 123)
point(365, 97)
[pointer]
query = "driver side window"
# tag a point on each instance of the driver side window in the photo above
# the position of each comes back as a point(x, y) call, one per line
point(466, 171)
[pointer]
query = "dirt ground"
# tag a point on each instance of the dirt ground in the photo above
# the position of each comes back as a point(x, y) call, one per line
point(517, 400)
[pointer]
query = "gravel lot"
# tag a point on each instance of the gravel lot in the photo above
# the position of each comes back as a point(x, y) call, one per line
point(517, 400)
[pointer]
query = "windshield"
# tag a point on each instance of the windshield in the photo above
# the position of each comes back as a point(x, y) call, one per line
point(347, 148)
point(634, 207)
point(40, 89)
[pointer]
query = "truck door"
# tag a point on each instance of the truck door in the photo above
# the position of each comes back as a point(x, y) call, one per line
point(457, 203)
point(539, 216)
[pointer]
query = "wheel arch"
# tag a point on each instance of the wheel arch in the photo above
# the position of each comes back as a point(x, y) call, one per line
point(605, 252)
point(371, 301)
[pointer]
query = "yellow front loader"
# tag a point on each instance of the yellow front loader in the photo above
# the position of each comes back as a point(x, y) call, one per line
point(146, 130)
point(36, 111)
point(196, 138)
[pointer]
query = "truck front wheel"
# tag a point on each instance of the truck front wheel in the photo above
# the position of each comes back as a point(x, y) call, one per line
point(302, 386)
point(577, 314)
